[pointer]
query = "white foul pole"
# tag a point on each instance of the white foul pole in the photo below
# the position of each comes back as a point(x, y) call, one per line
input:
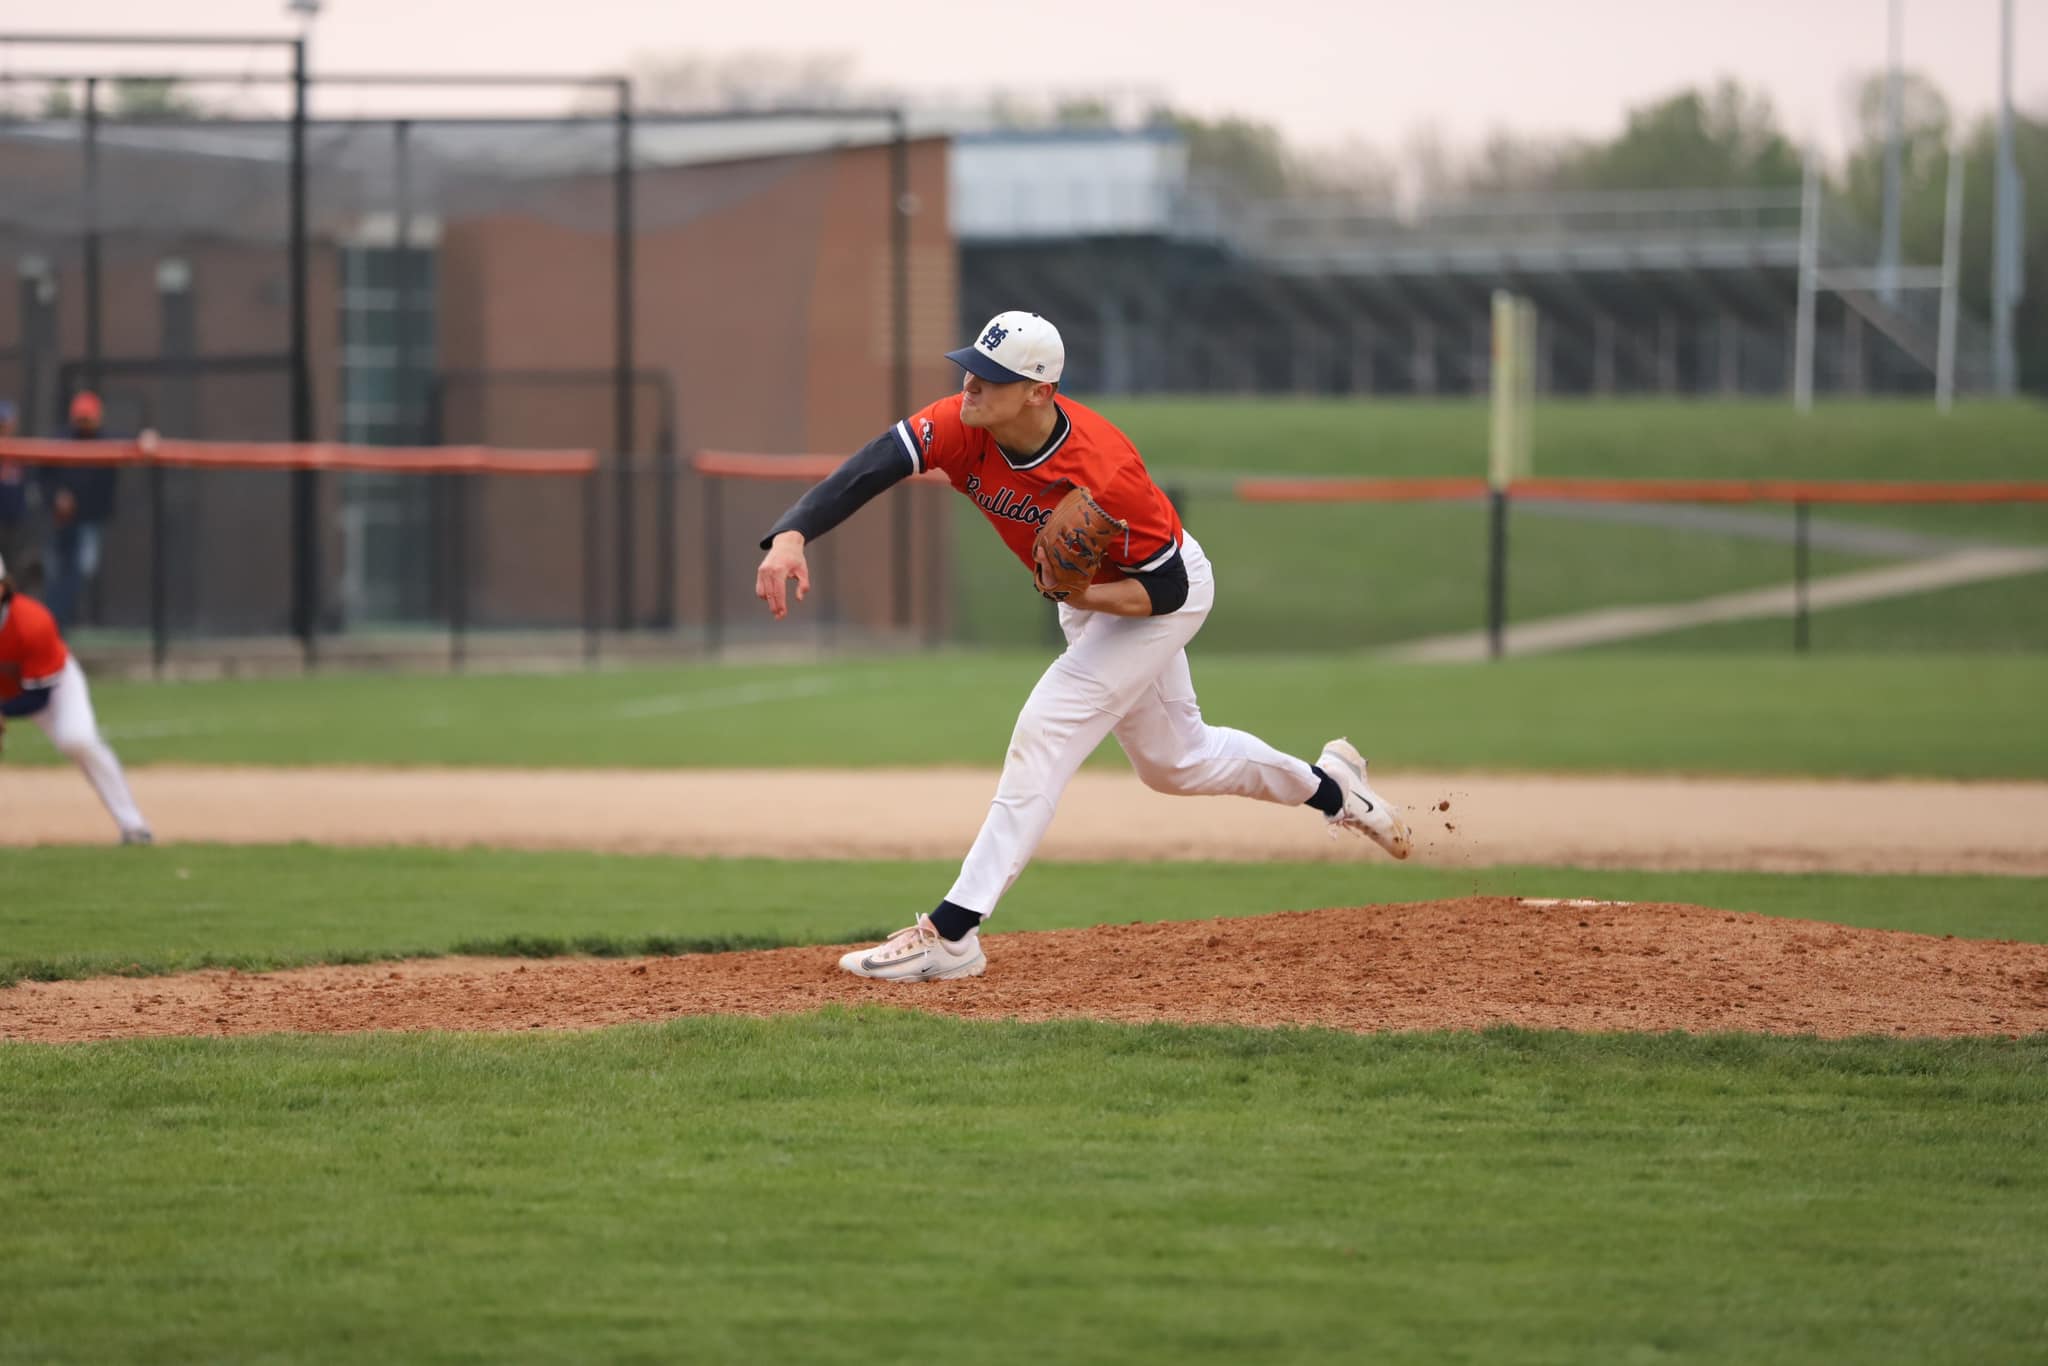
point(1951, 260)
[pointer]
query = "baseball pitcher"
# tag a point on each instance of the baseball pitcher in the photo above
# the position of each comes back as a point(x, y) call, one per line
point(1070, 497)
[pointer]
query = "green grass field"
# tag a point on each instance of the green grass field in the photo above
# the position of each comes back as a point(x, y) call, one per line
point(872, 1186)
point(1358, 575)
point(855, 1186)
point(1304, 576)
point(77, 912)
point(1608, 438)
point(1842, 715)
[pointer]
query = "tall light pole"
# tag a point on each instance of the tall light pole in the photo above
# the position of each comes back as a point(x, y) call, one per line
point(2006, 284)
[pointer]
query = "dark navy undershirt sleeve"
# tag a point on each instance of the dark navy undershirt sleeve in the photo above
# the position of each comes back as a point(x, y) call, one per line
point(867, 472)
point(27, 702)
point(1167, 585)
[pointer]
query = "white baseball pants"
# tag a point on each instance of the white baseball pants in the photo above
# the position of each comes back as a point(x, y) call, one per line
point(1126, 676)
point(69, 722)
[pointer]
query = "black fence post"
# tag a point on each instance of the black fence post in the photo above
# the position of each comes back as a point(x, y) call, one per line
point(94, 290)
point(590, 563)
point(665, 512)
point(37, 302)
point(458, 580)
point(1802, 556)
point(1497, 574)
point(305, 483)
point(159, 571)
point(401, 260)
point(714, 580)
point(939, 526)
point(900, 207)
point(440, 509)
point(622, 352)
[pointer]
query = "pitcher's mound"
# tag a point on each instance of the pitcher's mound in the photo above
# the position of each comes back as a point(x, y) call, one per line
point(1552, 964)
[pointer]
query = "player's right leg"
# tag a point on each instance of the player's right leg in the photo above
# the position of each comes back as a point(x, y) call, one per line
point(1174, 750)
point(74, 731)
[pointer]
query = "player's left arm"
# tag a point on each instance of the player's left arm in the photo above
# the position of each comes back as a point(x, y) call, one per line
point(32, 698)
point(1152, 594)
point(873, 469)
point(869, 471)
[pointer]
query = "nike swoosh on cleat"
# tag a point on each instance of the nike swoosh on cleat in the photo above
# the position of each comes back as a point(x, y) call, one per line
point(872, 966)
point(1362, 797)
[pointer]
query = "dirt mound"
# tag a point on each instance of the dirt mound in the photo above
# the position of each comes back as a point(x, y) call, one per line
point(1432, 965)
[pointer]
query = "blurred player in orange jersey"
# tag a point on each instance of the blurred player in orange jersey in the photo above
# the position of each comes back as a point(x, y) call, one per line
point(40, 679)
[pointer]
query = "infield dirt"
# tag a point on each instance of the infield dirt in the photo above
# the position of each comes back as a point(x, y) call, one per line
point(1461, 964)
point(1578, 821)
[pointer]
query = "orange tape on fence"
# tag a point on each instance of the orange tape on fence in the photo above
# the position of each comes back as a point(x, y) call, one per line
point(1644, 491)
point(1357, 490)
point(1780, 491)
point(790, 468)
point(371, 459)
point(42, 451)
point(286, 455)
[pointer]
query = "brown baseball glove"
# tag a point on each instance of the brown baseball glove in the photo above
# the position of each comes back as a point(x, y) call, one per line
point(1070, 545)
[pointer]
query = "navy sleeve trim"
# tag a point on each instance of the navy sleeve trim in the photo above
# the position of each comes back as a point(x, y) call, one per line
point(1170, 551)
point(870, 470)
point(902, 430)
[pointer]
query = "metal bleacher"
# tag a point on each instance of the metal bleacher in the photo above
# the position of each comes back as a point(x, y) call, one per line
point(1188, 289)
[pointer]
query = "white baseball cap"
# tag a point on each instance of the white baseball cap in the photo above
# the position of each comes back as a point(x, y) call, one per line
point(1014, 346)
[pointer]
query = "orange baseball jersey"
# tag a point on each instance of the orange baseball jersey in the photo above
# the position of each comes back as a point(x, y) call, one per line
point(1085, 449)
point(31, 651)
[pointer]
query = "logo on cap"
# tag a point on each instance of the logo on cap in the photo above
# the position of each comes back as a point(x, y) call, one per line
point(995, 337)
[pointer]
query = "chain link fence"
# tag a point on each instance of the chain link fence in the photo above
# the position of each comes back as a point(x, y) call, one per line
point(636, 285)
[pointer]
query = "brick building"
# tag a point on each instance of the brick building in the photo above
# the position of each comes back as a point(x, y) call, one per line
point(762, 295)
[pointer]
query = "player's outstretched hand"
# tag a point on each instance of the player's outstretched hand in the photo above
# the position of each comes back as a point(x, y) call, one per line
point(783, 562)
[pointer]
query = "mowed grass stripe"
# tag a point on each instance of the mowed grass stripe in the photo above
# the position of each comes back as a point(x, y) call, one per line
point(869, 1186)
point(1965, 716)
point(80, 912)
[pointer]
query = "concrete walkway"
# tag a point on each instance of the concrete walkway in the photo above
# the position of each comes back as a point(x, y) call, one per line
point(1606, 625)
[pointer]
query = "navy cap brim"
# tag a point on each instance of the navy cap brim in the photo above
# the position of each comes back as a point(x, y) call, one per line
point(976, 361)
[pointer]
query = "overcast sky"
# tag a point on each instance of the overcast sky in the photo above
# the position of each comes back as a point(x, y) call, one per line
point(1323, 70)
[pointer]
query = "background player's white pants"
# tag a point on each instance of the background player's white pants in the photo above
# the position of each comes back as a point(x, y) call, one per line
point(1128, 675)
point(69, 722)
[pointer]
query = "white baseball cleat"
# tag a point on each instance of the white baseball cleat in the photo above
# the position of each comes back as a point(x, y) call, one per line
point(1365, 811)
point(919, 954)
